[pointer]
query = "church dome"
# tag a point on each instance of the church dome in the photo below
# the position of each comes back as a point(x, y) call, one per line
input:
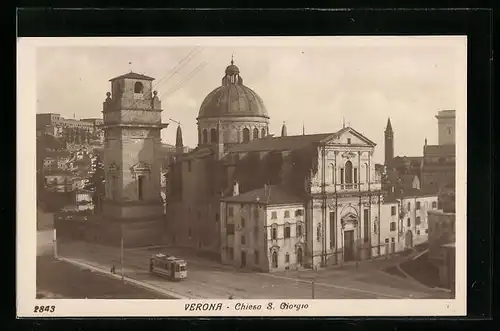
point(232, 98)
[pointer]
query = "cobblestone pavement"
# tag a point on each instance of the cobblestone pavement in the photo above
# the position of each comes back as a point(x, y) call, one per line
point(210, 279)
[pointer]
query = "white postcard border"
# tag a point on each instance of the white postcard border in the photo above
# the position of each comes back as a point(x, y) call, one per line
point(26, 199)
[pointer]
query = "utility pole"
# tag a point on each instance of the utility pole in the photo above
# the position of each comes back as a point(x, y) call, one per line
point(55, 244)
point(312, 287)
point(121, 250)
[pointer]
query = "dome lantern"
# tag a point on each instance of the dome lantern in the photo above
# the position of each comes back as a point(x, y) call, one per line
point(232, 74)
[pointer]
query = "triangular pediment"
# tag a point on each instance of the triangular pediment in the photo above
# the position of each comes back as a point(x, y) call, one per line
point(348, 136)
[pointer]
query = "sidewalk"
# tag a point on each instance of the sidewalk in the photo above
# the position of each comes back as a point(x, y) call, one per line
point(102, 269)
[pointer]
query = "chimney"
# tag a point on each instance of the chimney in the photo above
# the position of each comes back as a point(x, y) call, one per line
point(236, 189)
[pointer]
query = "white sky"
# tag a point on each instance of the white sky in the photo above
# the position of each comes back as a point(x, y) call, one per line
point(317, 81)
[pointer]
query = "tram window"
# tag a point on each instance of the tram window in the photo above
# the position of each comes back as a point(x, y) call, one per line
point(177, 268)
point(183, 268)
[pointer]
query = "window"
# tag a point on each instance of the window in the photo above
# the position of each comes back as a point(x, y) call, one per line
point(287, 231)
point(217, 218)
point(449, 130)
point(287, 213)
point(341, 176)
point(230, 211)
point(348, 140)
point(263, 133)
point(393, 226)
point(332, 229)
point(140, 187)
point(408, 223)
point(246, 135)
point(393, 210)
point(393, 240)
point(299, 212)
point(426, 231)
point(189, 165)
point(274, 233)
point(417, 220)
point(256, 257)
point(243, 241)
point(205, 136)
point(318, 233)
point(434, 204)
point(138, 87)
point(355, 175)
point(299, 230)
point(287, 258)
point(230, 229)
point(230, 253)
point(274, 215)
point(366, 226)
point(418, 232)
point(386, 240)
point(213, 135)
point(348, 172)
point(242, 222)
point(255, 133)
point(409, 206)
point(418, 205)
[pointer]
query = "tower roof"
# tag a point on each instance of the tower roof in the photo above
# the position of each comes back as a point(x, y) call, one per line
point(132, 75)
point(178, 137)
point(283, 130)
point(388, 127)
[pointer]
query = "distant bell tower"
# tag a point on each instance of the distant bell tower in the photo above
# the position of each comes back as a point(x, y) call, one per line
point(446, 127)
point(389, 143)
point(132, 125)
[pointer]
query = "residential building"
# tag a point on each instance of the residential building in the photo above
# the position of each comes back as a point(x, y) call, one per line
point(263, 230)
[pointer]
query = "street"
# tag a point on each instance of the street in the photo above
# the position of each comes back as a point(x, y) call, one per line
point(209, 279)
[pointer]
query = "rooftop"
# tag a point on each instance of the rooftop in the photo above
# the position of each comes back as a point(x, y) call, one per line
point(279, 143)
point(408, 193)
point(270, 195)
point(439, 149)
point(132, 75)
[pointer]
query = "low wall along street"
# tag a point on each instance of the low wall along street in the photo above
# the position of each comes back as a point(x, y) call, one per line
point(97, 230)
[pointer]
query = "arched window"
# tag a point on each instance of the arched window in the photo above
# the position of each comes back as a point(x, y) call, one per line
point(205, 136)
point(255, 133)
point(263, 133)
point(275, 259)
point(213, 135)
point(348, 172)
point(138, 87)
point(246, 135)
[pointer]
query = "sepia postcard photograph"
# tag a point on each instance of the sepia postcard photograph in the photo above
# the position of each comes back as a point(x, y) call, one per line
point(248, 176)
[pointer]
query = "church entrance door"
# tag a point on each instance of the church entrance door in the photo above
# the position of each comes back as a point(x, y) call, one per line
point(349, 245)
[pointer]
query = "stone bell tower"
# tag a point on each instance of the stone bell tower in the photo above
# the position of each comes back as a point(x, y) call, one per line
point(132, 126)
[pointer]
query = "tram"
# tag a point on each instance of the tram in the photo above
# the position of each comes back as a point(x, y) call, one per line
point(168, 266)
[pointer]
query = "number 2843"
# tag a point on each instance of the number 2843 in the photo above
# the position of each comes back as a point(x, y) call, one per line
point(43, 309)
